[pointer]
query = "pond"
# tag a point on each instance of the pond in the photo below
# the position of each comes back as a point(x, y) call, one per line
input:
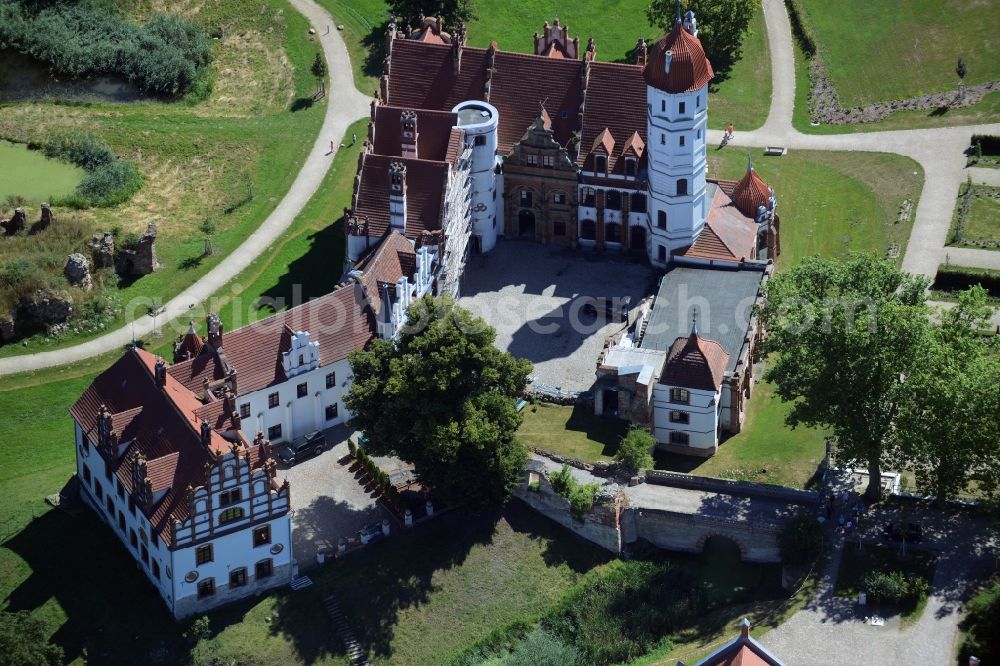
point(25, 79)
point(29, 174)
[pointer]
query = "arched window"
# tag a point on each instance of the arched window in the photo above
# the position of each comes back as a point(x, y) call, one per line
point(588, 230)
point(601, 163)
point(614, 200)
point(638, 202)
point(682, 187)
point(661, 219)
point(231, 514)
point(613, 233)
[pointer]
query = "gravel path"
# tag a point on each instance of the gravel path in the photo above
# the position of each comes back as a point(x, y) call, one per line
point(345, 106)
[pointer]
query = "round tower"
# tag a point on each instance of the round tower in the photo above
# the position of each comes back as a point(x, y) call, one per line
point(479, 120)
point(677, 74)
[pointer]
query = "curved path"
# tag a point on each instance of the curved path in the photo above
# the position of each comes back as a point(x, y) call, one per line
point(939, 151)
point(345, 106)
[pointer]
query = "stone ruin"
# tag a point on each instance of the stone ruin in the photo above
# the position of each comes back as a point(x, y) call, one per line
point(77, 271)
point(102, 250)
point(14, 224)
point(44, 220)
point(140, 259)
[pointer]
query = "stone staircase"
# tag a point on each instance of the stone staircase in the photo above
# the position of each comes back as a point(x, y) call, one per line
point(355, 653)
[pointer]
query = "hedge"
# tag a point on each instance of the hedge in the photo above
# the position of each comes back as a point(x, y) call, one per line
point(109, 180)
point(959, 278)
point(800, 28)
point(989, 142)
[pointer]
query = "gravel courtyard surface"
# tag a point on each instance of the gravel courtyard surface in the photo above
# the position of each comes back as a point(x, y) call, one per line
point(528, 292)
point(328, 500)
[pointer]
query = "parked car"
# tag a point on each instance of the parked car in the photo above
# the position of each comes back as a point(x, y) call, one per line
point(611, 308)
point(290, 453)
point(913, 533)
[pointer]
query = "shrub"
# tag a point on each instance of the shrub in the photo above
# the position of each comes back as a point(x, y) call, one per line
point(800, 28)
point(988, 144)
point(109, 181)
point(540, 648)
point(887, 587)
point(24, 640)
point(580, 495)
point(110, 184)
point(633, 451)
point(199, 629)
point(801, 540)
point(981, 620)
point(352, 447)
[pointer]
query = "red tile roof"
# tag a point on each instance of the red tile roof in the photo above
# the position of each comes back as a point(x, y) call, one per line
point(750, 192)
point(425, 190)
point(339, 321)
point(392, 259)
point(695, 362)
point(612, 92)
point(727, 236)
point(434, 132)
point(161, 424)
point(689, 68)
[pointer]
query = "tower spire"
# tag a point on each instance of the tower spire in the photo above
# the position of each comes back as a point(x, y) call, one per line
point(749, 162)
point(677, 5)
point(694, 323)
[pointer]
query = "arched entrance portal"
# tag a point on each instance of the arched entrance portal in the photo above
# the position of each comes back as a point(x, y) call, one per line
point(637, 239)
point(526, 224)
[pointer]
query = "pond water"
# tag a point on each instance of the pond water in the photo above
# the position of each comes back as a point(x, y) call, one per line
point(29, 174)
point(23, 79)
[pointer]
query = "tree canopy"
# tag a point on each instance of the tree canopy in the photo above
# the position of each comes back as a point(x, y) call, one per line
point(23, 641)
point(722, 24)
point(634, 450)
point(452, 12)
point(442, 397)
point(846, 335)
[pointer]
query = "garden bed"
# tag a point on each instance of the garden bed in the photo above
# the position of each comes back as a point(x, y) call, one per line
point(855, 566)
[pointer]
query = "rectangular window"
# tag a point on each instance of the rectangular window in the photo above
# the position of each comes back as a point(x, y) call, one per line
point(661, 219)
point(680, 395)
point(630, 163)
point(98, 490)
point(547, 161)
point(238, 577)
point(206, 588)
point(156, 569)
point(133, 539)
point(120, 488)
point(261, 535)
point(663, 139)
point(681, 139)
point(131, 506)
point(145, 556)
point(638, 204)
point(601, 164)
point(245, 410)
point(272, 400)
point(679, 438)
point(331, 412)
point(682, 187)
point(681, 107)
point(589, 197)
point(663, 105)
point(525, 196)
point(203, 554)
point(111, 506)
point(264, 569)
point(86, 474)
point(680, 417)
point(121, 521)
point(302, 359)
point(274, 432)
point(532, 160)
point(697, 102)
point(559, 198)
point(661, 253)
point(302, 390)
point(699, 134)
point(613, 200)
point(480, 140)
point(231, 514)
point(559, 228)
point(230, 497)
point(331, 380)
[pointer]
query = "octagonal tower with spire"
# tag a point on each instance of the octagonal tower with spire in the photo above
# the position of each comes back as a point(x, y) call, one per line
point(677, 74)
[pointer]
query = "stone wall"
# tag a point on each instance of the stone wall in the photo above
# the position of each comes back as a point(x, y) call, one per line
point(730, 487)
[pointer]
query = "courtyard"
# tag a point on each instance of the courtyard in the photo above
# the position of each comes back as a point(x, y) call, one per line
point(533, 295)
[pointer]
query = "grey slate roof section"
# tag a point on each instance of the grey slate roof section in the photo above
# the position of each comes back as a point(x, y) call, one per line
point(722, 298)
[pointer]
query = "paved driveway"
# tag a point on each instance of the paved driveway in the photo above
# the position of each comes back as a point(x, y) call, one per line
point(528, 293)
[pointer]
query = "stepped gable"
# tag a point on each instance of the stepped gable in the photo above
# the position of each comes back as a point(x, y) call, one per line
point(339, 321)
point(695, 362)
point(161, 425)
point(426, 183)
point(422, 76)
point(750, 192)
point(434, 132)
point(612, 92)
point(392, 259)
point(727, 236)
point(689, 68)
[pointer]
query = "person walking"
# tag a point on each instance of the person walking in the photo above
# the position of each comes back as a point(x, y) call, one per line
point(729, 131)
point(354, 139)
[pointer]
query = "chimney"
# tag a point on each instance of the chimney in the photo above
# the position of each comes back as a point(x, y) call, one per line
point(232, 381)
point(206, 434)
point(668, 57)
point(640, 52)
point(745, 629)
point(214, 325)
point(160, 373)
point(397, 196)
point(457, 44)
point(408, 133)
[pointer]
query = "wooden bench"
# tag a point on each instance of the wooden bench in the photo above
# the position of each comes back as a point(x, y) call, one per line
point(775, 151)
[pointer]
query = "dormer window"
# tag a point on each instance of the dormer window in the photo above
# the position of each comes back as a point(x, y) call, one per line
point(601, 164)
point(631, 166)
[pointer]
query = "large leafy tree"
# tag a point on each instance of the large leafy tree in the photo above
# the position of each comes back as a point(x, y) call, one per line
point(442, 397)
point(452, 12)
point(948, 431)
point(846, 334)
point(24, 641)
point(722, 24)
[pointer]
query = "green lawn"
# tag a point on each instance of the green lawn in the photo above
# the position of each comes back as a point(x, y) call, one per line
point(29, 174)
point(571, 431)
point(197, 160)
point(883, 50)
point(855, 566)
point(743, 98)
point(983, 222)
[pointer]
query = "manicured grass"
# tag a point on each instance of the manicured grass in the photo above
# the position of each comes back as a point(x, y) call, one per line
point(830, 203)
point(29, 174)
point(198, 160)
point(571, 431)
point(743, 98)
point(885, 49)
point(983, 222)
point(855, 566)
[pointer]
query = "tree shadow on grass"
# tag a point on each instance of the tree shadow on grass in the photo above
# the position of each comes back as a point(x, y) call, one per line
point(374, 44)
point(313, 274)
point(608, 431)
